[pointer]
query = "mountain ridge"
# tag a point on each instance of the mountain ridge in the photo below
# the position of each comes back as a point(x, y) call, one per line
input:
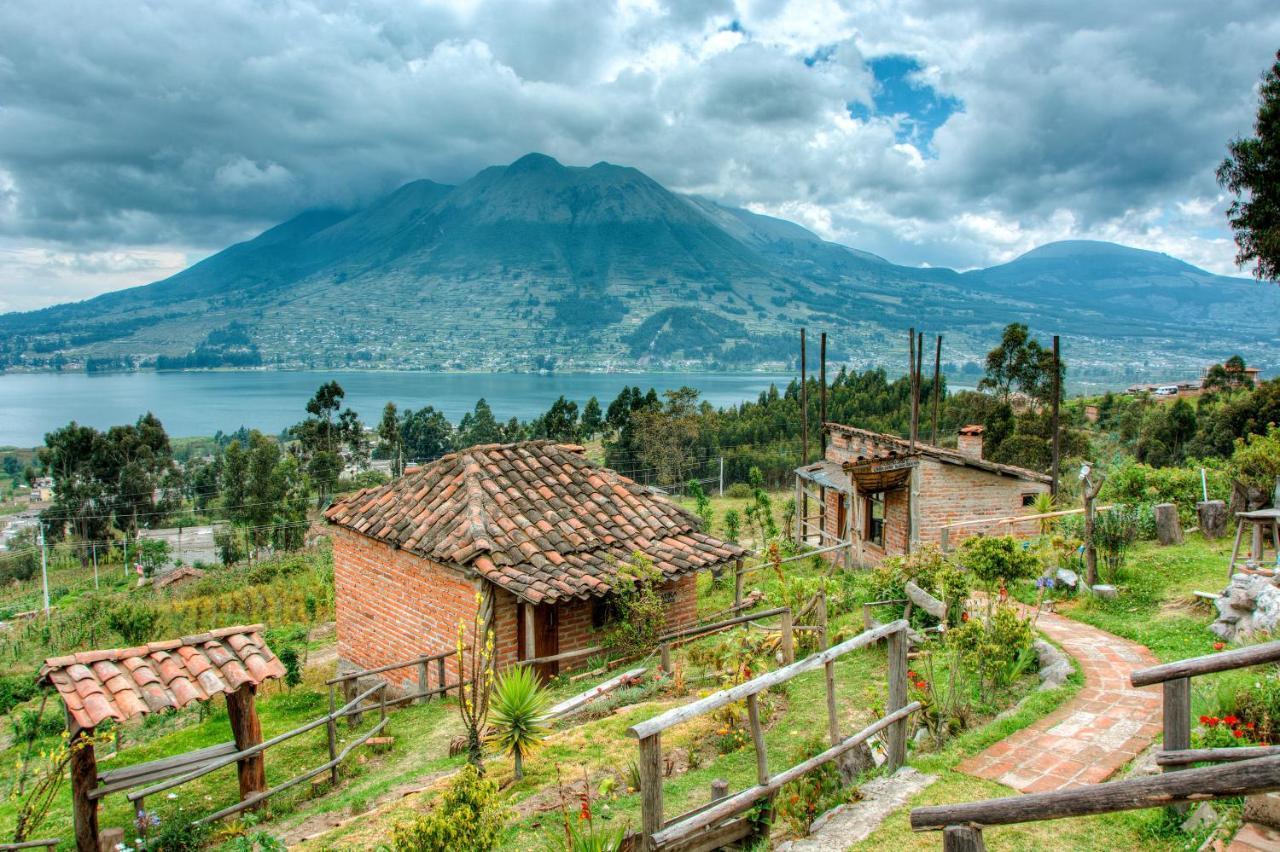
point(593, 267)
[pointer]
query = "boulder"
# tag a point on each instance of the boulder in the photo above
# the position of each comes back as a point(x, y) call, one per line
point(1068, 578)
point(1249, 606)
point(1055, 668)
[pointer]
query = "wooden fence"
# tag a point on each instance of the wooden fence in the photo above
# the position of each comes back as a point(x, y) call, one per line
point(724, 820)
point(1249, 770)
point(1008, 522)
point(422, 663)
point(188, 767)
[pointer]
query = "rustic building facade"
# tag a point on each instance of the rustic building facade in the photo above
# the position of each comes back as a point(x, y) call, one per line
point(878, 496)
point(528, 536)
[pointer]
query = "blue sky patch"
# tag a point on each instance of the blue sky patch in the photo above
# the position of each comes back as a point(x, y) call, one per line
point(920, 108)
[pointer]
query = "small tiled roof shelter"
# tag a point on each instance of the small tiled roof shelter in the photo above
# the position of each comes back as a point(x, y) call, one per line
point(125, 683)
point(880, 495)
point(528, 536)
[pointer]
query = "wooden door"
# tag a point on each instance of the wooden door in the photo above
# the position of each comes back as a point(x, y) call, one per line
point(546, 637)
point(842, 517)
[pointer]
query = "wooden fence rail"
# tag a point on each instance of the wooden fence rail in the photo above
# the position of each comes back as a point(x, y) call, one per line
point(963, 823)
point(423, 694)
point(722, 822)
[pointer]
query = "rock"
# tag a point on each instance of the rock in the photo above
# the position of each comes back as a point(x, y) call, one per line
point(1213, 518)
point(1263, 808)
point(1055, 668)
point(854, 762)
point(1067, 577)
point(845, 825)
point(1249, 606)
point(1104, 591)
point(1202, 817)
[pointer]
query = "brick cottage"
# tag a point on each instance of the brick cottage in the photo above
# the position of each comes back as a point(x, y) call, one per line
point(531, 533)
point(885, 498)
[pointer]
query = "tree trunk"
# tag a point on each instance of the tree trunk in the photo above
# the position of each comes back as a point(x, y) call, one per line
point(242, 712)
point(1168, 527)
point(1213, 518)
point(518, 757)
point(1090, 552)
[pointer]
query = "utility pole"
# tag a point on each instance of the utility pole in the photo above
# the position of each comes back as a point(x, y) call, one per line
point(1057, 394)
point(822, 393)
point(44, 570)
point(94, 545)
point(915, 415)
point(937, 390)
point(722, 476)
point(804, 405)
point(911, 384)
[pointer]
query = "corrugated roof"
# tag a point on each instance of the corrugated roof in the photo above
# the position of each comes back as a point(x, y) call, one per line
point(535, 517)
point(121, 683)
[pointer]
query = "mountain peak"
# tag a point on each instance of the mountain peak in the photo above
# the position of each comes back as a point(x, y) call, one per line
point(535, 162)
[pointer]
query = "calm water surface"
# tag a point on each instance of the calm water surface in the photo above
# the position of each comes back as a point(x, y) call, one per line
point(203, 403)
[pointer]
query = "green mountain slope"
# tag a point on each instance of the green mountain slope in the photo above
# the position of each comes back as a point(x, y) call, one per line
point(601, 266)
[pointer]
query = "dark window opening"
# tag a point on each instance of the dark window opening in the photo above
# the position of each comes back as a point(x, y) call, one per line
point(874, 505)
point(1028, 499)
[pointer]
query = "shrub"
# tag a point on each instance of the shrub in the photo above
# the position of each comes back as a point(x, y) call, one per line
point(468, 816)
point(998, 560)
point(732, 525)
point(813, 793)
point(1114, 531)
point(929, 569)
point(1133, 483)
point(739, 491)
point(1256, 460)
point(638, 612)
point(134, 621)
point(518, 714)
point(995, 649)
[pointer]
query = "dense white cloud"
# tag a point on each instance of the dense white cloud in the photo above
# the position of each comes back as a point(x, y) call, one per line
point(162, 132)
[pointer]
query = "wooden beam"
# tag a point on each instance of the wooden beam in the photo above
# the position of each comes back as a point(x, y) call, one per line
point(1260, 775)
point(650, 767)
point(937, 391)
point(1253, 655)
point(242, 713)
point(822, 392)
point(1183, 757)
point(804, 404)
point(897, 736)
point(1055, 421)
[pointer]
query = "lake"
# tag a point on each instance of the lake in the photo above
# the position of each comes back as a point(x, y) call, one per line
point(196, 403)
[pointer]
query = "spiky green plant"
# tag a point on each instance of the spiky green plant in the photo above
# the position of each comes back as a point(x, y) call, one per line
point(518, 714)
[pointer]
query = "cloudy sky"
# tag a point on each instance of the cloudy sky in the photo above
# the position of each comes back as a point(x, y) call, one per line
point(136, 138)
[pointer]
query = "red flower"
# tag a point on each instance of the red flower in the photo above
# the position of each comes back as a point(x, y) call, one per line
point(1204, 720)
point(1230, 720)
point(586, 808)
point(964, 616)
point(1212, 721)
point(911, 674)
point(921, 684)
point(1250, 725)
point(1218, 646)
point(1237, 733)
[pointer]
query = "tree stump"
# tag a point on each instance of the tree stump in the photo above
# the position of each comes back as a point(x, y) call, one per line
point(1168, 527)
point(1213, 518)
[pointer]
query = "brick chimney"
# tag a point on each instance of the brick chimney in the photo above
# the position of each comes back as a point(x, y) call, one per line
point(969, 441)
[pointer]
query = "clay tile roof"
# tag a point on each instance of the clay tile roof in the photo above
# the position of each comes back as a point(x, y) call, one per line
point(123, 683)
point(536, 518)
point(887, 448)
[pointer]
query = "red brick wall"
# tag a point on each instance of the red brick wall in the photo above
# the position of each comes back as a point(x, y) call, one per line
point(392, 605)
point(948, 493)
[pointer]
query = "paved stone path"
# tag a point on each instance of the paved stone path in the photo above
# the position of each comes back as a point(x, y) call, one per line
point(1085, 741)
point(1253, 837)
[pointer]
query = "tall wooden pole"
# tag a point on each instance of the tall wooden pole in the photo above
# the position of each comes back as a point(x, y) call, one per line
point(1057, 438)
point(937, 390)
point(242, 713)
point(911, 385)
point(822, 391)
point(804, 404)
point(919, 382)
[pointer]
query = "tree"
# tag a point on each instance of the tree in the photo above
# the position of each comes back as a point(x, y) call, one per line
point(592, 419)
point(478, 427)
point(560, 423)
point(427, 434)
point(264, 492)
point(666, 436)
point(153, 553)
point(1020, 361)
point(392, 446)
point(1251, 172)
point(328, 438)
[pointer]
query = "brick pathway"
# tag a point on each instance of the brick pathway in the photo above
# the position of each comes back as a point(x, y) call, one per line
point(1102, 728)
point(1253, 837)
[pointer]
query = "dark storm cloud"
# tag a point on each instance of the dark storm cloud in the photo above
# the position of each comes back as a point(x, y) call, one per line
point(168, 129)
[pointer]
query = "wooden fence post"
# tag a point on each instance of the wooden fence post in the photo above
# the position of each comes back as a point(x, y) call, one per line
point(665, 651)
point(84, 777)
point(788, 639)
point(829, 669)
point(897, 733)
point(962, 838)
point(650, 789)
point(1177, 720)
point(737, 587)
point(440, 673)
point(719, 789)
point(242, 712)
point(422, 683)
point(762, 756)
point(333, 738)
point(348, 693)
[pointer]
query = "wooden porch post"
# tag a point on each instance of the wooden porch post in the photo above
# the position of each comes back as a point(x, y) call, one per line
point(84, 777)
point(530, 651)
point(242, 712)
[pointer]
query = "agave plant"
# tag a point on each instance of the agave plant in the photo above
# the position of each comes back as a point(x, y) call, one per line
point(518, 714)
